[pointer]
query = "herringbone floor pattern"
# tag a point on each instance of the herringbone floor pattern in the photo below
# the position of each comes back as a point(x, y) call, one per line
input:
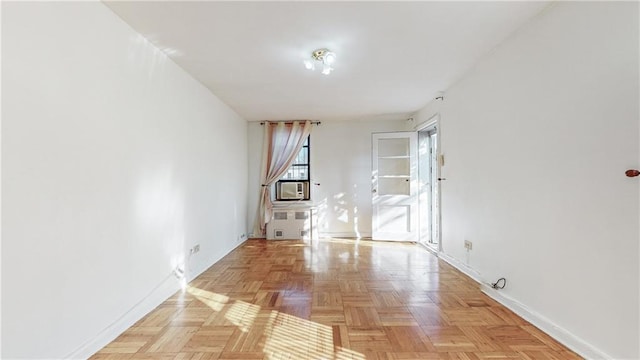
point(335, 300)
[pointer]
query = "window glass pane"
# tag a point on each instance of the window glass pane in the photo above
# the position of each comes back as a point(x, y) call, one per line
point(296, 173)
point(299, 170)
point(302, 156)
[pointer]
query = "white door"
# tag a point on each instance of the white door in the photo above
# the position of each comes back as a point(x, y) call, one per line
point(394, 186)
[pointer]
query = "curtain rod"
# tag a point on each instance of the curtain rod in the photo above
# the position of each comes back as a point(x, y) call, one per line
point(291, 122)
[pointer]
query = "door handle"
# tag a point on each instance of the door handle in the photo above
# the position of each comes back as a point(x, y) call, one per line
point(440, 179)
point(632, 173)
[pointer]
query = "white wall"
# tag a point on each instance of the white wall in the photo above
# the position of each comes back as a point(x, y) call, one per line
point(536, 141)
point(115, 162)
point(341, 164)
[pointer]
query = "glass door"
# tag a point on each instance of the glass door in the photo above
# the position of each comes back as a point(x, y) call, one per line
point(428, 187)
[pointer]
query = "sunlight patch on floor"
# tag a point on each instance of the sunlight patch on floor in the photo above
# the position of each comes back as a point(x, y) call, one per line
point(212, 300)
point(242, 314)
point(297, 338)
point(285, 336)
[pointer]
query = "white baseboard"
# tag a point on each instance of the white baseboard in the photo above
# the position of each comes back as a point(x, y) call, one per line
point(428, 248)
point(464, 268)
point(325, 235)
point(162, 292)
point(344, 235)
point(560, 334)
point(322, 234)
point(157, 296)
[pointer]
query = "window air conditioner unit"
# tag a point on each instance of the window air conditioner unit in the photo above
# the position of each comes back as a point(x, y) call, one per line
point(291, 190)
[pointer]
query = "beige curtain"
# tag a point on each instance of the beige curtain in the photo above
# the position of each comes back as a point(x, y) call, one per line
point(282, 143)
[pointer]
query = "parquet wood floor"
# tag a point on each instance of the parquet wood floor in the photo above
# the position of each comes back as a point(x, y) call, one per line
point(335, 300)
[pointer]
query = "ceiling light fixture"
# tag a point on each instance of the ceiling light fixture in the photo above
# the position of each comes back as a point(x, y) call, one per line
point(323, 57)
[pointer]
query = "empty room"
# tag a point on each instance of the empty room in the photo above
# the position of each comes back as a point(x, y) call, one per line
point(217, 180)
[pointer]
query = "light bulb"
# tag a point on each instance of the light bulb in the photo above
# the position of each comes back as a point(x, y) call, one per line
point(308, 64)
point(326, 70)
point(329, 58)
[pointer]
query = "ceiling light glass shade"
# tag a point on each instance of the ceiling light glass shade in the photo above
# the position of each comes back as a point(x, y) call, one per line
point(326, 70)
point(308, 64)
point(329, 58)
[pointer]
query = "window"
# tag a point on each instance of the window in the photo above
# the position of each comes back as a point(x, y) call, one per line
point(297, 173)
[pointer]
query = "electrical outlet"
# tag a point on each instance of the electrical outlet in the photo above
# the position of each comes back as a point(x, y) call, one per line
point(468, 245)
point(196, 248)
point(178, 272)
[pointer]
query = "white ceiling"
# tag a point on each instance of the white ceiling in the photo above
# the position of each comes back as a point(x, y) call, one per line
point(393, 57)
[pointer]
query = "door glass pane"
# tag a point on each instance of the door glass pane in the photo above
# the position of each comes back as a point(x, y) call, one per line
point(393, 186)
point(393, 167)
point(434, 195)
point(393, 147)
point(424, 187)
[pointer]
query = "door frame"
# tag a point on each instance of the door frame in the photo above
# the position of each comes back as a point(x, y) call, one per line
point(434, 122)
